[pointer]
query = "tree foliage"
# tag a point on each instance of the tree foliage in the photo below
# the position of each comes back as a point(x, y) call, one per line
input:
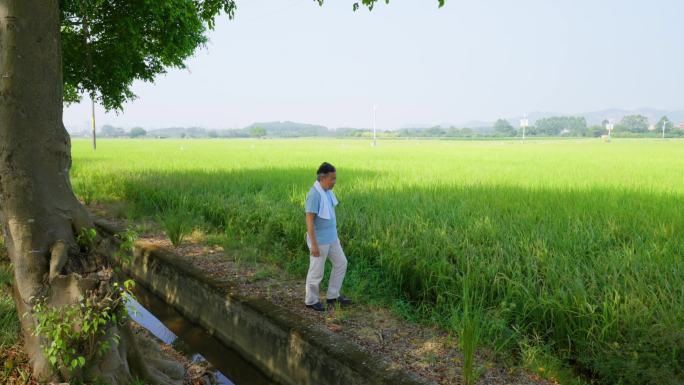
point(555, 125)
point(257, 132)
point(137, 132)
point(107, 44)
point(503, 127)
point(371, 3)
point(664, 123)
point(633, 123)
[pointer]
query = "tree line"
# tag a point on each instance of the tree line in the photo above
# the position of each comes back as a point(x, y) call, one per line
point(555, 126)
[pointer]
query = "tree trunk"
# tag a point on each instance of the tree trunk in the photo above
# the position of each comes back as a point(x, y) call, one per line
point(39, 211)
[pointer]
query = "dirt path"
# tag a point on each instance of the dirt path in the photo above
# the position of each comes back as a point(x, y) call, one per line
point(428, 351)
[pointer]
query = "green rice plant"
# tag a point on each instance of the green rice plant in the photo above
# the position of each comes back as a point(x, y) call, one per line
point(469, 330)
point(84, 191)
point(177, 225)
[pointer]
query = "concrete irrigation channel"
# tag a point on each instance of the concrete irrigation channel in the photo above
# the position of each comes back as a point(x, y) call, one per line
point(285, 347)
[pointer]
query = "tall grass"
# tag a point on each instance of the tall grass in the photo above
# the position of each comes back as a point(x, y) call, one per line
point(576, 244)
point(469, 329)
point(9, 322)
point(177, 225)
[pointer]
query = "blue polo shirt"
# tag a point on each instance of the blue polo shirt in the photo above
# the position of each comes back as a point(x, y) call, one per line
point(325, 229)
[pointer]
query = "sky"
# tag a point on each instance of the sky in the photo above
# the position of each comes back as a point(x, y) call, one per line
point(420, 64)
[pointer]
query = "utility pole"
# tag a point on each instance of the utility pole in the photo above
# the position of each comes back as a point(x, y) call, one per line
point(92, 115)
point(664, 124)
point(375, 108)
point(89, 60)
point(524, 122)
point(609, 127)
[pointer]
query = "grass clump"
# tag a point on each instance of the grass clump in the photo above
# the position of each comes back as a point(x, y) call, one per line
point(177, 225)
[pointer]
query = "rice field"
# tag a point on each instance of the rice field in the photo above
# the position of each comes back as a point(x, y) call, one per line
point(575, 247)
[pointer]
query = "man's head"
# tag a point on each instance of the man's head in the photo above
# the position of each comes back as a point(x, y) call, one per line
point(326, 175)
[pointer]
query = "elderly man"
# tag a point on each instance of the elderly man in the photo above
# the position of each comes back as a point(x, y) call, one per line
point(321, 237)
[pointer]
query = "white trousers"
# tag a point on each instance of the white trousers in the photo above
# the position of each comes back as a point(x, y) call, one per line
point(317, 267)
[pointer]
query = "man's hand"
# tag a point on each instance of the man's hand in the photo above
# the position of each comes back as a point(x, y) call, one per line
point(311, 234)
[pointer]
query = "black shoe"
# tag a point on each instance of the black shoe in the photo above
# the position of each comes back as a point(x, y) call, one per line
point(317, 306)
point(344, 301)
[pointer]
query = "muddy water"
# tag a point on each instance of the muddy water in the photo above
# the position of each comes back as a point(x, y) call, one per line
point(192, 340)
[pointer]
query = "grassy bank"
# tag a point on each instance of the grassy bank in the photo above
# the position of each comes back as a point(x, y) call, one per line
point(14, 369)
point(9, 322)
point(574, 248)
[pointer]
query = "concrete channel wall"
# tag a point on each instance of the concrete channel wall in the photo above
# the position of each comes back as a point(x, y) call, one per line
point(280, 343)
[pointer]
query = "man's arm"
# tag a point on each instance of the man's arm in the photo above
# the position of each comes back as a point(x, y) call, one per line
point(312, 234)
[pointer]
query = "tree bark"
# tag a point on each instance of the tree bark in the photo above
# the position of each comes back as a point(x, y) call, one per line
point(39, 211)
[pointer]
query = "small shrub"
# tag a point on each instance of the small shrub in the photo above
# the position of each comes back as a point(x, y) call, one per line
point(124, 252)
point(72, 334)
point(86, 239)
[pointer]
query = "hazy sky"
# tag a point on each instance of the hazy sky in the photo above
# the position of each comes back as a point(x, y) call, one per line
point(470, 60)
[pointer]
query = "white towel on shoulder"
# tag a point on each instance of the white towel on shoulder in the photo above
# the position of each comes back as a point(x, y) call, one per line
point(324, 209)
